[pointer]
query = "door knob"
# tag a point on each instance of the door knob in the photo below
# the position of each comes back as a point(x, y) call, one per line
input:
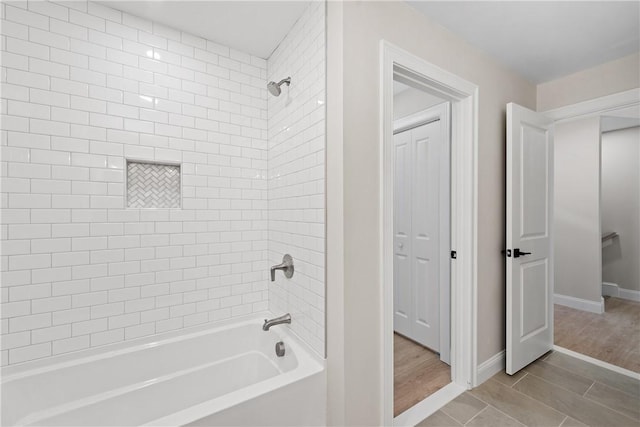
point(518, 253)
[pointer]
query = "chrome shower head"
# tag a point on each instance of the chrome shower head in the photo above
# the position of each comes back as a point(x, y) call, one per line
point(274, 88)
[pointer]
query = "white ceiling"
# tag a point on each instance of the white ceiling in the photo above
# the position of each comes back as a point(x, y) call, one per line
point(255, 27)
point(543, 40)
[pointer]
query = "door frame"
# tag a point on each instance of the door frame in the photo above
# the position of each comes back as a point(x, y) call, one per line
point(439, 112)
point(463, 97)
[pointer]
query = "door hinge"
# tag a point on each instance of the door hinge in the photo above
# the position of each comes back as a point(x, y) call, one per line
point(454, 255)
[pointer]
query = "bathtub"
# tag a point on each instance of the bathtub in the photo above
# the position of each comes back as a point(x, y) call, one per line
point(223, 375)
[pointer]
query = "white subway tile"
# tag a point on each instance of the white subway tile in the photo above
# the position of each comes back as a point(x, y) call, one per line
point(47, 127)
point(31, 352)
point(152, 40)
point(107, 337)
point(70, 344)
point(50, 334)
point(19, 339)
point(69, 116)
point(14, 309)
point(25, 17)
point(137, 22)
point(87, 48)
point(24, 78)
point(11, 60)
point(86, 20)
point(69, 316)
point(26, 323)
point(123, 31)
point(43, 275)
point(46, 97)
point(68, 29)
point(97, 9)
point(48, 39)
point(67, 86)
point(70, 287)
point(46, 305)
point(89, 327)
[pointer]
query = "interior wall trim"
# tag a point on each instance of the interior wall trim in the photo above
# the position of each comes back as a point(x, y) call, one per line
point(580, 303)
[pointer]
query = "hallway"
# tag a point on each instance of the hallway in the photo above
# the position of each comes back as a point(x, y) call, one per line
point(613, 336)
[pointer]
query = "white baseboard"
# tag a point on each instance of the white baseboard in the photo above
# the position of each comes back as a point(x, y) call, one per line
point(610, 289)
point(597, 362)
point(629, 294)
point(579, 303)
point(490, 367)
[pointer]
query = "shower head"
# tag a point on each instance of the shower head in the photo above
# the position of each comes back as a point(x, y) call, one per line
point(274, 87)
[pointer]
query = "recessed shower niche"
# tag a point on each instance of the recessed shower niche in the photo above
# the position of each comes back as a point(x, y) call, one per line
point(153, 185)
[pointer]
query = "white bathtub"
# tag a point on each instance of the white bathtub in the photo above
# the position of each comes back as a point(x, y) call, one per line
point(226, 375)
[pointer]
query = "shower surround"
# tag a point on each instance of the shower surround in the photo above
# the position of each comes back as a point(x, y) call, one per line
point(86, 88)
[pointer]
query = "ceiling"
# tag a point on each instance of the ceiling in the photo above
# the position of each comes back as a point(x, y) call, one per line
point(254, 27)
point(543, 40)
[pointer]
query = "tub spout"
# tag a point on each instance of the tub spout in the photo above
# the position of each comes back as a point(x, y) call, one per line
point(286, 318)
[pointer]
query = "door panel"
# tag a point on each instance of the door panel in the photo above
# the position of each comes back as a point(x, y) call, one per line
point(402, 298)
point(416, 231)
point(529, 198)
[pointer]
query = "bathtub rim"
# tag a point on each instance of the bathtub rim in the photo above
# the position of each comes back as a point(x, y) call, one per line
point(34, 367)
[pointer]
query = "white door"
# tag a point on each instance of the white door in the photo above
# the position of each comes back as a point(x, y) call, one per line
point(529, 240)
point(417, 232)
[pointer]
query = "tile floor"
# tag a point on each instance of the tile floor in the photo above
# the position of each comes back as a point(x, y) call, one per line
point(556, 390)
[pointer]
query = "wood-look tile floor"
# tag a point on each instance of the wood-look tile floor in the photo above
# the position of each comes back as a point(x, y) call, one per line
point(556, 390)
point(417, 373)
point(613, 336)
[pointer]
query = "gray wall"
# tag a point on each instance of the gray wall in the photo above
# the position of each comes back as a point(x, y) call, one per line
point(577, 240)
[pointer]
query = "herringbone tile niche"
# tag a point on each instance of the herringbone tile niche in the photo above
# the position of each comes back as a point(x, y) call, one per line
point(153, 185)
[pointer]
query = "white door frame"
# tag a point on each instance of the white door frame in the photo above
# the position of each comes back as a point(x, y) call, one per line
point(463, 96)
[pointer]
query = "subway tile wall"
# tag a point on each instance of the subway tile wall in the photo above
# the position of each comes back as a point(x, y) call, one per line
point(296, 175)
point(85, 87)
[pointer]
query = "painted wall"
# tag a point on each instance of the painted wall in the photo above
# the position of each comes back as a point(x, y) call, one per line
point(606, 79)
point(357, 349)
point(577, 242)
point(296, 175)
point(621, 207)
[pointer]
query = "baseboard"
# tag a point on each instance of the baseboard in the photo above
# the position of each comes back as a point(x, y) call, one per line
point(610, 289)
point(579, 303)
point(490, 367)
point(629, 294)
point(597, 362)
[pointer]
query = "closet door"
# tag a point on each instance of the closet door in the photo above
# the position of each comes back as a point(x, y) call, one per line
point(417, 234)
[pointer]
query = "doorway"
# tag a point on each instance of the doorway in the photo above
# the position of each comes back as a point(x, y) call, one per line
point(462, 96)
point(584, 122)
point(421, 211)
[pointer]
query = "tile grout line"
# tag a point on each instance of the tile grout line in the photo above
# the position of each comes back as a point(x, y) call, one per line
point(565, 419)
point(519, 379)
point(560, 386)
point(479, 412)
point(590, 387)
